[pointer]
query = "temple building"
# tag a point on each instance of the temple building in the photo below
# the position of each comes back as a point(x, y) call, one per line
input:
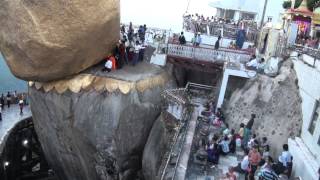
point(247, 9)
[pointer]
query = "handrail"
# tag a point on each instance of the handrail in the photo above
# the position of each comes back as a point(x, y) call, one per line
point(307, 50)
point(200, 86)
point(207, 54)
point(210, 47)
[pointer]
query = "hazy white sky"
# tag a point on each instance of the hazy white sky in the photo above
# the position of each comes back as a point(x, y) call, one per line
point(168, 13)
point(163, 14)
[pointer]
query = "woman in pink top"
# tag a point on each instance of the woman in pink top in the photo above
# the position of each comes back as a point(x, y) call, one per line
point(254, 159)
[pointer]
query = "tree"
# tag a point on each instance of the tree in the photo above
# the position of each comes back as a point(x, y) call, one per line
point(311, 4)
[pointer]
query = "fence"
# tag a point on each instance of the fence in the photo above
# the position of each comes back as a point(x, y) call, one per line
point(207, 54)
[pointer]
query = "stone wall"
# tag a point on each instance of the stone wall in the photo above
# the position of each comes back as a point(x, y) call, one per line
point(275, 101)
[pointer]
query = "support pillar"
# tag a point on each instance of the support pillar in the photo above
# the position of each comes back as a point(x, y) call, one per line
point(236, 16)
point(223, 89)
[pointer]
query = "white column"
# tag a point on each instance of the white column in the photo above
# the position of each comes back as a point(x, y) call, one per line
point(236, 16)
point(223, 88)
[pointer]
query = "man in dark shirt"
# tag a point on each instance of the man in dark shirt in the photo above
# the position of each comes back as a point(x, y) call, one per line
point(8, 99)
point(182, 39)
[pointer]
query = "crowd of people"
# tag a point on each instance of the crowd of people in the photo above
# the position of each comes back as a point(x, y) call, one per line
point(312, 42)
point(129, 50)
point(217, 26)
point(218, 20)
point(257, 160)
point(12, 98)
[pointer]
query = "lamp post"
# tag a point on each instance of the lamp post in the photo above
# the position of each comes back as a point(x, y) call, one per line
point(264, 12)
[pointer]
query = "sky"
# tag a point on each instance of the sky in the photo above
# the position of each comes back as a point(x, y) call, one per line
point(165, 14)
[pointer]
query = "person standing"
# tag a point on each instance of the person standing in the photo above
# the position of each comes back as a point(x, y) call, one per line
point(243, 166)
point(8, 99)
point(122, 49)
point(182, 39)
point(198, 39)
point(254, 159)
point(2, 101)
point(217, 44)
point(0, 112)
point(15, 97)
point(284, 162)
point(21, 106)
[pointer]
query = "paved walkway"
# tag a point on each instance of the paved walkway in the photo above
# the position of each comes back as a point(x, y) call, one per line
point(198, 170)
point(10, 117)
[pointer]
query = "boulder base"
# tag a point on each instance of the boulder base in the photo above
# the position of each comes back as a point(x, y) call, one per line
point(99, 130)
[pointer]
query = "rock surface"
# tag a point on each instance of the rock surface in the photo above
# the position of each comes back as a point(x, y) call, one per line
point(275, 101)
point(154, 151)
point(49, 40)
point(98, 134)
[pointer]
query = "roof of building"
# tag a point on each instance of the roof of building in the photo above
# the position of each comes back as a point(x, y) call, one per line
point(301, 10)
point(239, 5)
point(316, 16)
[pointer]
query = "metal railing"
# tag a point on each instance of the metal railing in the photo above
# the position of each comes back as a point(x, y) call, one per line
point(207, 54)
point(315, 53)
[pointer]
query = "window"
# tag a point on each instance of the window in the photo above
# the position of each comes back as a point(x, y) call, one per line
point(315, 116)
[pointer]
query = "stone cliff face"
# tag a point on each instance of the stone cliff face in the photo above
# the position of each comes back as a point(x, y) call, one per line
point(158, 144)
point(275, 101)
point(49, 40)
point(94, 127)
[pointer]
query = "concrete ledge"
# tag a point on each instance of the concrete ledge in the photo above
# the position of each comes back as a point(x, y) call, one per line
point(304, 163)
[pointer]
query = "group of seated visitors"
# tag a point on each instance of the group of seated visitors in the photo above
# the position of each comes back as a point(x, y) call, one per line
point(256, 64)
point(129, 50)
point(257, 160)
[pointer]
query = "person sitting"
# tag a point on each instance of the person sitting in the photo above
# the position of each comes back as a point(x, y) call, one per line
point(243, 166)
point(266, 172)
point(261, 66)
point(224, 144)
point(251, 142)
point(219, 114)
point(226, 131)
point(231, 45)
point(108, 66)
point(217, 122)
point(230, 175)
point(266, 151)
point(253, 63)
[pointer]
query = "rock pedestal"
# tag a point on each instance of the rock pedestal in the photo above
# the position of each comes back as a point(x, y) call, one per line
point(95, 126)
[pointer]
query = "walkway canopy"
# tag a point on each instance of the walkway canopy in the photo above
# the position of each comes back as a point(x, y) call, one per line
point(316, 16)
point(302, 10)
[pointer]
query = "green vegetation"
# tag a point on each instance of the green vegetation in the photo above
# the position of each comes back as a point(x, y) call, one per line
point(311, 4)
